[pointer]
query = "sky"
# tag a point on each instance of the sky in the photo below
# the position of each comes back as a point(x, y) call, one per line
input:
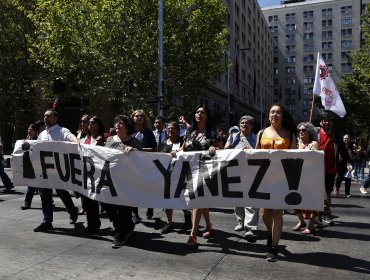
point(267, 3)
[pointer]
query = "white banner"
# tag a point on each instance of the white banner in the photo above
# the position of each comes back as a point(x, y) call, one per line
point(324, 87)
point(279, 179)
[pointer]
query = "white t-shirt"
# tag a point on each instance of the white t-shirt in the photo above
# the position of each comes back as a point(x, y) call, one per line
point(55, 133)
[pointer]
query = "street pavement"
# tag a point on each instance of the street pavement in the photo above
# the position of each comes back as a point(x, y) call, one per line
point(339, 251)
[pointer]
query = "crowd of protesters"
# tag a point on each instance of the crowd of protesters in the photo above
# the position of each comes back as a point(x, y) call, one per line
point(344, 159)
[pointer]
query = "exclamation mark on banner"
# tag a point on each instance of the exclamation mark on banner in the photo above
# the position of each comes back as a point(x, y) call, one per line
point(28, 171)
point(293, 169)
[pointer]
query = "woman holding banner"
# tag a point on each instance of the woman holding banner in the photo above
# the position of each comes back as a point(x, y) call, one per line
point(94, 136)
point(121, 215)
point(307, 140)
point(201, 137)
point(172, 145)
point(279, 133)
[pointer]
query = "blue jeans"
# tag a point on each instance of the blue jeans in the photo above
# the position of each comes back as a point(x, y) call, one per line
point(360, 169)
point(6, 180)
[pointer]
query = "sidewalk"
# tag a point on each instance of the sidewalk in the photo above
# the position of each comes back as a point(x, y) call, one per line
point(338, 252)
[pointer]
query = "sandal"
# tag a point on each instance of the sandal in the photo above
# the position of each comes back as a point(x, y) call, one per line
point(299, 226)
point(208, 233)
point(309, 231)
point(192, 243)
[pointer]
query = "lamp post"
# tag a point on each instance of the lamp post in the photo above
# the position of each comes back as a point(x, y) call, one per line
point(160, 101)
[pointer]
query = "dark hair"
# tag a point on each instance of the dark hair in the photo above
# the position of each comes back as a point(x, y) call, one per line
point(85, 116)
point(327, 115)
point(99, 122)
point(287, 120)
point(126, 120)
point(175, 125)
point(209, 117)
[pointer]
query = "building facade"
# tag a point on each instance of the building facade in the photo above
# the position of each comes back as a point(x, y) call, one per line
point(300, 30)
point(246, 87)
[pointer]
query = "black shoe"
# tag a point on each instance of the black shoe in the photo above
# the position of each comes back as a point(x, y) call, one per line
point(149, 213)
point(7, 191)
point(272, 255)
point(188, 223)
point(74, 216)
point(43, 227)
point(249, 236)
point(136, 219)
point(25, 207)
point(118, 242)
point(167, 228)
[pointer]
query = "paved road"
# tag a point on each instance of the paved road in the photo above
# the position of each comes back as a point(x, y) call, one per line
point(335, 252)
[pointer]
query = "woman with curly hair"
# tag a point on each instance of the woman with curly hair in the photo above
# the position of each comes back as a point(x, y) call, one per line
point(279, 133)
point(307, 140)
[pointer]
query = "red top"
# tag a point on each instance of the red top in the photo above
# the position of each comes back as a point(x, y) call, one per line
point(327, 145)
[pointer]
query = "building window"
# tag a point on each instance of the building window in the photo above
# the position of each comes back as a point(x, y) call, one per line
point(327, 22)
point(273, 29)
point(308, 25)
point(291, 81)
point(308, 14)
point(308, 69)
point(307, 90)
point(290, 38)
point(273, 18)
point(346, 32)
point(290, 26)
point(308, 80)
point(276, 49)
point(327, 34)
point(290, 59)
point(308, 58)
point(327, 12)
point(330, 67)
point(346, 21)
point(276, 71)
point(290, 16)
point(346, 9)
point(327, 56)
point(308, 36)
point(346, 67)
point(327, 45)
point(344, 55)
point(290, 48)
point(290, 70)
point(308, 47)
point(346, 43)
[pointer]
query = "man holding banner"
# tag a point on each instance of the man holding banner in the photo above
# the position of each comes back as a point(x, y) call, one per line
point(54, 132)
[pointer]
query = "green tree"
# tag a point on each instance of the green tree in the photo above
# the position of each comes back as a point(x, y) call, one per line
point(109, 47)
point(355, 88)
point(17, 72)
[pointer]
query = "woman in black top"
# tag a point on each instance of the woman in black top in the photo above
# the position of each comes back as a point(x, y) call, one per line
point(145, 135)
point(201, 137)
point(120, 215)
point(173, 144)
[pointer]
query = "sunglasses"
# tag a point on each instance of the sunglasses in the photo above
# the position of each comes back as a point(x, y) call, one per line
point(302, 130)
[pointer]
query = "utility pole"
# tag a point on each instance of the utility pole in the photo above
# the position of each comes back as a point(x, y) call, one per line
point(160, 103)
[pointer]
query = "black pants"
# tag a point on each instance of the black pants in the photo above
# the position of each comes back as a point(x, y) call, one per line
point(347, 185)
point(47, 203)
point(121, 216)
point(92, 212)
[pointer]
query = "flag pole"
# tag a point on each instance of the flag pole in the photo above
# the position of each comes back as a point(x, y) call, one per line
point(312, 106)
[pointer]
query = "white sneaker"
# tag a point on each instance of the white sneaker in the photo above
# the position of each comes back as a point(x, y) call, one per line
point(363, 190)
point(239, 227)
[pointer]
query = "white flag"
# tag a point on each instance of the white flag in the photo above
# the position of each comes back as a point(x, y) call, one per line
point(324, 87)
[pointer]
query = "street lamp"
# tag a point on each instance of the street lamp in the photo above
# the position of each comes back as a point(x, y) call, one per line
point(160, 101)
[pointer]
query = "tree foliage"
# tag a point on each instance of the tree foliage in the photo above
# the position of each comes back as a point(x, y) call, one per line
point(17, 72)
point(355, 88)
point(109, 47)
